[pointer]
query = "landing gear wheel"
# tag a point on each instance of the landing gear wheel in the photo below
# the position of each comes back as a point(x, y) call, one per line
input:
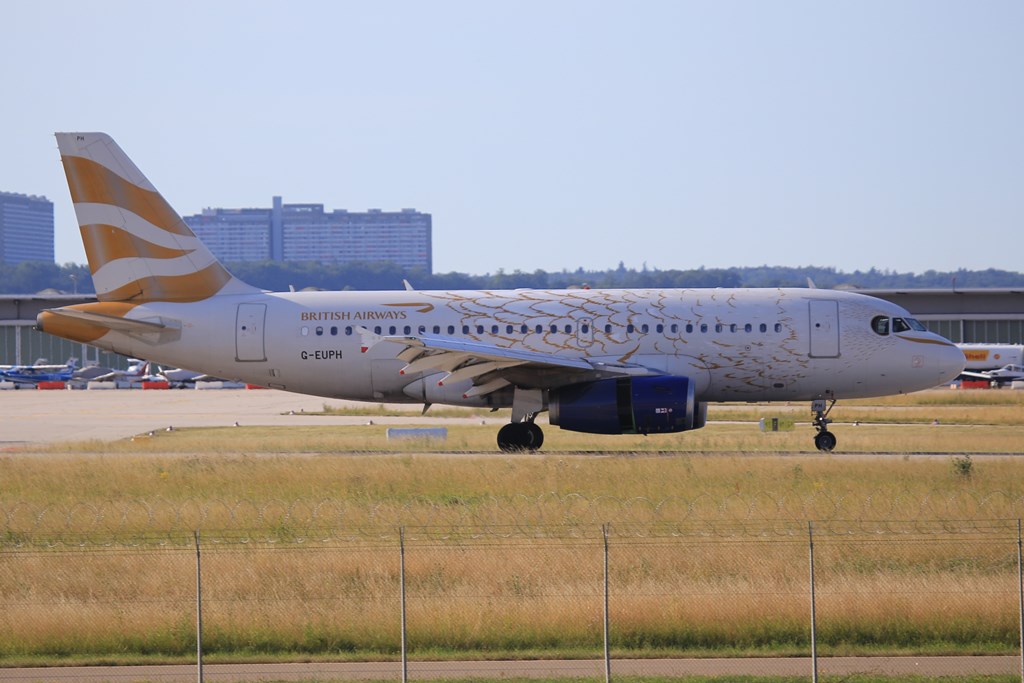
point(520, 436)
point(825, 441)
point(536, 436)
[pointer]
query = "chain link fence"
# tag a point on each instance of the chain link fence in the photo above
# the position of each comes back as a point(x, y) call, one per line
point(596, 597)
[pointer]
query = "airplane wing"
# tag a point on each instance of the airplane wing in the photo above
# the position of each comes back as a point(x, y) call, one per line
point(976, 375)
point(16, 379)
point(492, 367)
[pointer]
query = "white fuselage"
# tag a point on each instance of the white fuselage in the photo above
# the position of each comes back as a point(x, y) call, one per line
point(735, 344)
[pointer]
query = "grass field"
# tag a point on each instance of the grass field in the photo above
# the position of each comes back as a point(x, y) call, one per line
point(915, 553)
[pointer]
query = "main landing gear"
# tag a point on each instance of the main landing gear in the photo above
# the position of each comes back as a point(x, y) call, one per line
point(824, 439)
point(517, 437)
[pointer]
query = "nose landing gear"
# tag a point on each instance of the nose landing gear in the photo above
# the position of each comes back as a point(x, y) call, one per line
point(824, 439)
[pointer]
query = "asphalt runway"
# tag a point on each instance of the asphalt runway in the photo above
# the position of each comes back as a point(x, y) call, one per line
point(497, 670)
point(32, 416)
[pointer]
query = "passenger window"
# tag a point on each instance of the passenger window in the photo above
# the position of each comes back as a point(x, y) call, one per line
point(392, 330)
point(718, 327)
point(880, 325)
point(607, 329)
point(479, 329)
point(675, 328)
point(538, 329)
point(407, 330)
point(423, 329)
point(630, 328)
point(437, 329)
point(778, 327)
point(554, 329)
point(732, 328)
point(585, 329)
point(451, 329)
point(305, 331)
point(334, 331)
point(319, 331)
point(377, 330)
point(494, 329)
point(763, 327)
point(568, 329)
point(689, 328)
point(703, 328)
point(748, 328)
point(644, 328)
point(524, 329)
point(508, 329)
point(465, 329)
point(348, 331)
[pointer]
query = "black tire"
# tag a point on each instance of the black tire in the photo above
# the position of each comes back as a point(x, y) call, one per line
point(517, 437)
point(536, 435)
point(511, 437)
point(825, 441)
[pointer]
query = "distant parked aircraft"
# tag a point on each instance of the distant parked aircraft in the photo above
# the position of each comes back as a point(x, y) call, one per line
point(138, 370)
point(38, 372)
point(1004, 375)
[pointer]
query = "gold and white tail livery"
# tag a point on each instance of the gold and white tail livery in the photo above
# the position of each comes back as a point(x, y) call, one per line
point(597, 361)
point(139, 248)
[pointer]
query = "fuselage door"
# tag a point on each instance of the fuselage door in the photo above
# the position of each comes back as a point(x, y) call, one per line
point(249, 325)
point(824, 319)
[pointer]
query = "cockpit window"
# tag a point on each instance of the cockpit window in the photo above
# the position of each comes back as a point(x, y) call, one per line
point(880, 325)
point(900, 325)
point(907, 324)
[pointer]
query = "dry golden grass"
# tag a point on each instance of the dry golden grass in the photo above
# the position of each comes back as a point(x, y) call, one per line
point(133, 493)
point(514, 592)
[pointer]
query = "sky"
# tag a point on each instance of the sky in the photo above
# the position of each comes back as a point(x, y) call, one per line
point(554, 135)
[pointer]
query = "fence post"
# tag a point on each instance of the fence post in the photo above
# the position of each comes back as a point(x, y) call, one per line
point(607, 638)
point(199, 611)
point(1020, 599)
point(401, 583)
point(814, 625)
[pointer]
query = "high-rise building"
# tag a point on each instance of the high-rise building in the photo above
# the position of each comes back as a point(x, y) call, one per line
point(26, 228)
point(305, 232)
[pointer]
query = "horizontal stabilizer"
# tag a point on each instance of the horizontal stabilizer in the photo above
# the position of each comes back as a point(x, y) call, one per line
point(109, 321)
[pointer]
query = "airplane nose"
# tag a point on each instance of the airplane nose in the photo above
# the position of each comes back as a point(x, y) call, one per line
point(951, 363)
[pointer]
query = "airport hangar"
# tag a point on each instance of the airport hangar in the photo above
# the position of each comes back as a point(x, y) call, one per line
point(989, 316)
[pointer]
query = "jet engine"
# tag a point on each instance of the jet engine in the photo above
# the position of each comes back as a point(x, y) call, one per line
point(628, 405)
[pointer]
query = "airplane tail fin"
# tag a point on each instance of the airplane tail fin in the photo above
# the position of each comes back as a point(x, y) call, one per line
point(139, 248)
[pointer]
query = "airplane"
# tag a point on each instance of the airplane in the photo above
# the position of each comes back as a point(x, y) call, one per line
point(180, 378)
point(138, 371)
point(1004, 375)
point(39, 371)
point(628, 361)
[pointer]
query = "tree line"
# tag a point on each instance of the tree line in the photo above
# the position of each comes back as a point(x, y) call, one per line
point(36, 277)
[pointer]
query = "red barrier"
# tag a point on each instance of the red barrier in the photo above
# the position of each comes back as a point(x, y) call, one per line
point(975, 384)
point(254, 386)
point(50, 385)
point(156, 385)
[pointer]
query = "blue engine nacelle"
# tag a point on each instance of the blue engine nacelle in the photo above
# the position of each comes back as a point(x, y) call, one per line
point(630, 405)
